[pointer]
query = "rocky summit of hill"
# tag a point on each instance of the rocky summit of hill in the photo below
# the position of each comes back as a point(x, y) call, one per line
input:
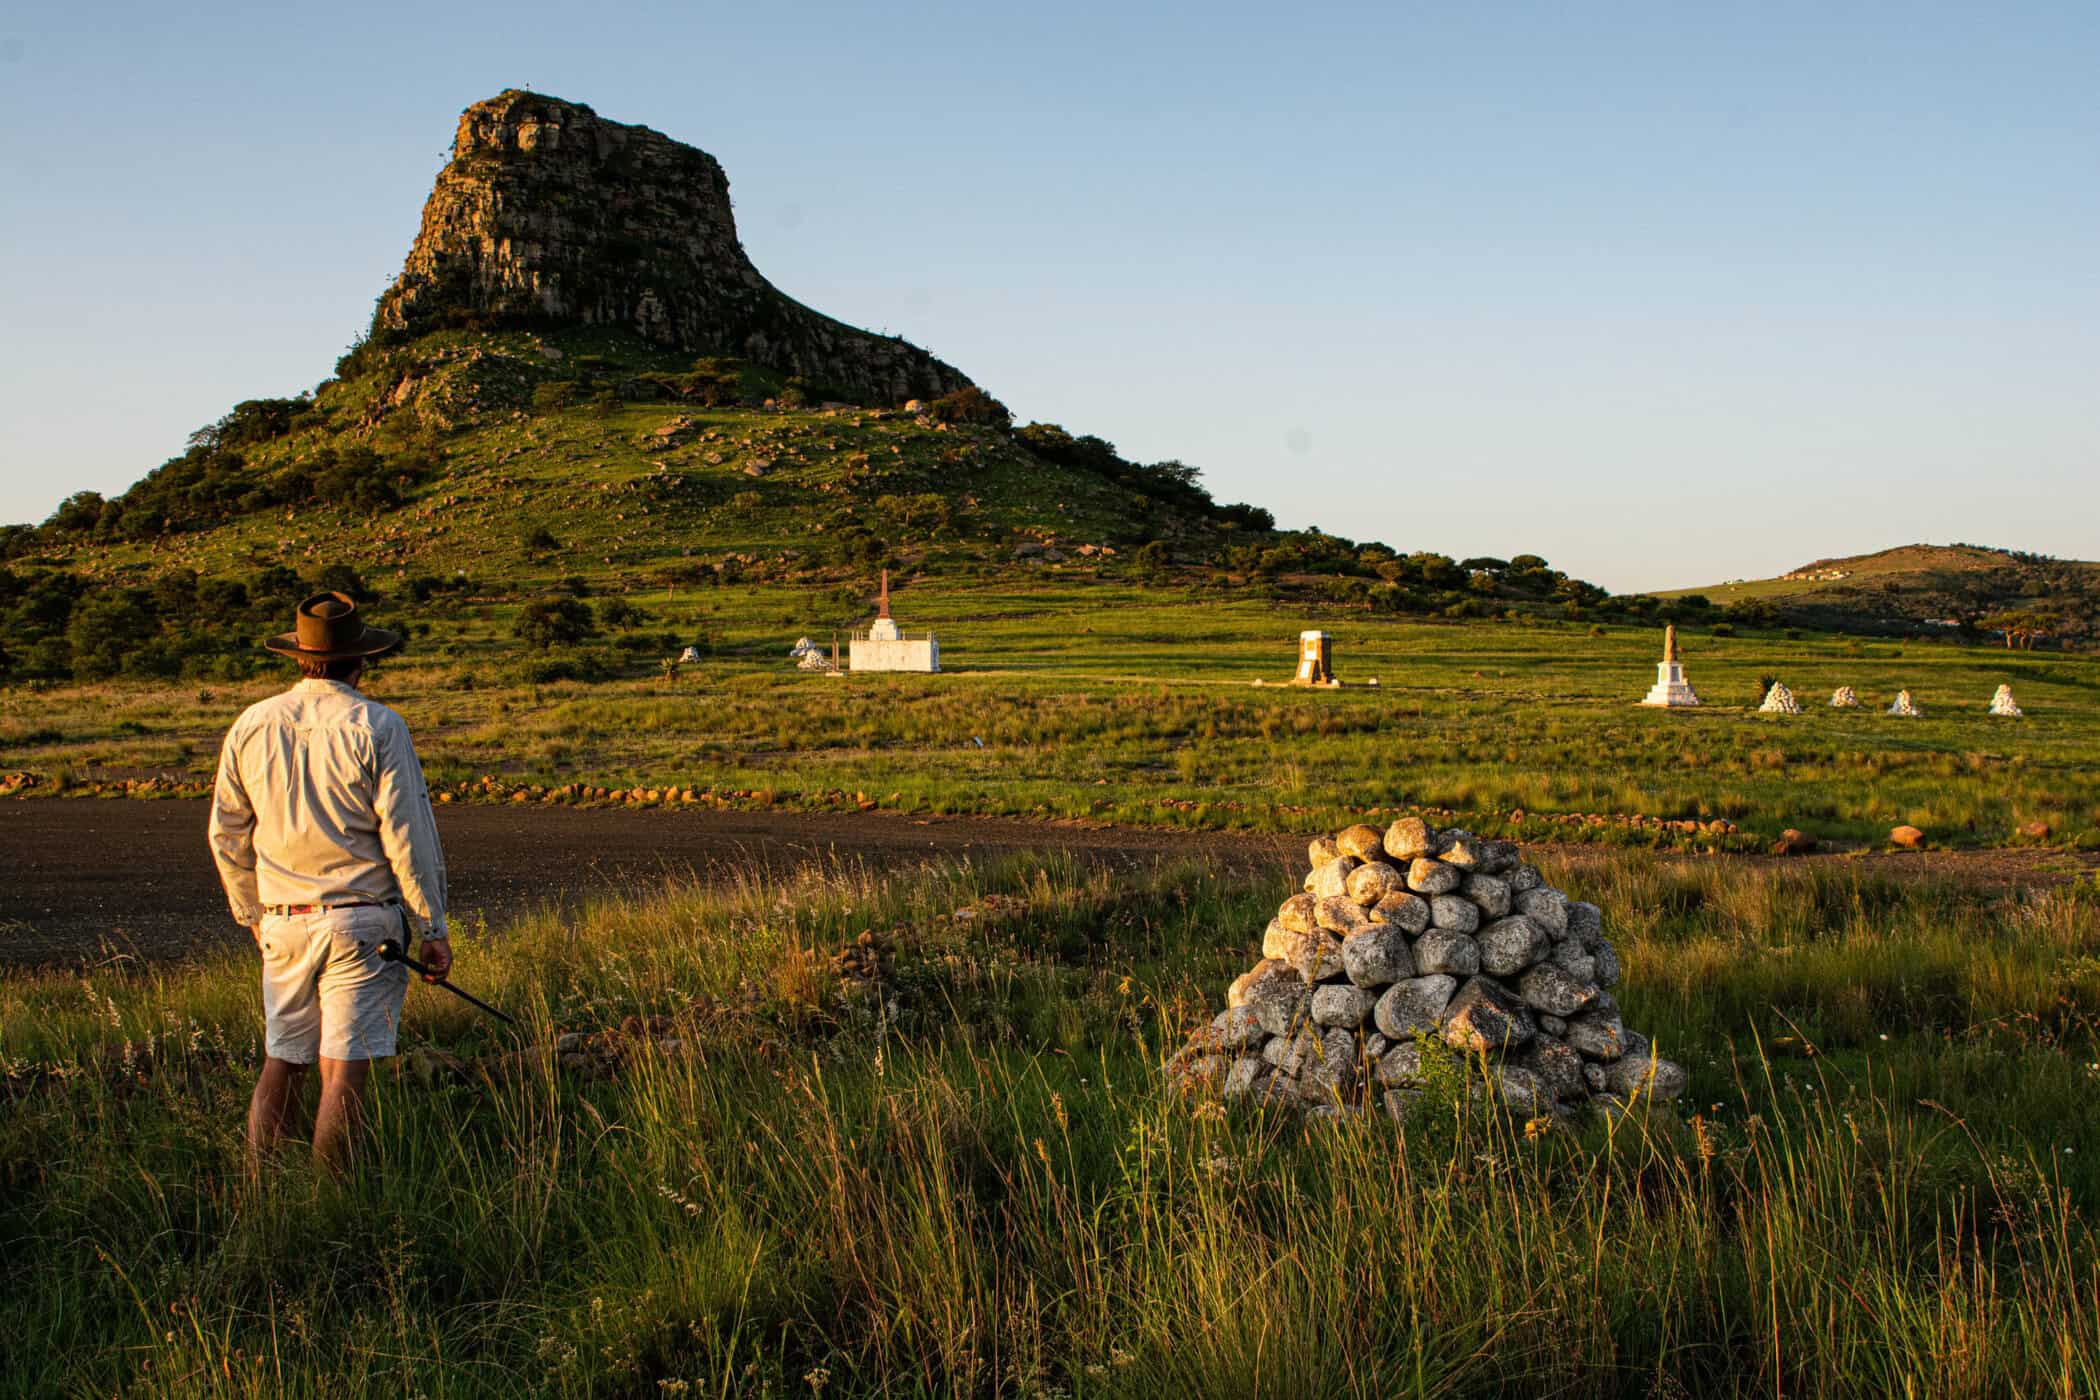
point(549, 215)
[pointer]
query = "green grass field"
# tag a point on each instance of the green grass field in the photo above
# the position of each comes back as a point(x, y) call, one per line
point(1094, 699)
point(969, 1178)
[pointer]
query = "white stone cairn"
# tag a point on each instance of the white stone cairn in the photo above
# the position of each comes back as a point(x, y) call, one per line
point(1779, 701)
point(1416, 955)
point(1844, 698)
point(1904, 707)
point(2003, 704)
point(1671, 689)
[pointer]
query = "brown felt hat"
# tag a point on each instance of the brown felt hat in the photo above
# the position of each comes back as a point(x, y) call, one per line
point(329, 629)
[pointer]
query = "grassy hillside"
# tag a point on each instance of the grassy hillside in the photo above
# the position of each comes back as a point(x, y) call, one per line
point(457, 451)
point(1967, 589)
point(496, 469)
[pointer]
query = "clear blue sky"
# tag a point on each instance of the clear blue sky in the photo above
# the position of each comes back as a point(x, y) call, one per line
point(1666, 293)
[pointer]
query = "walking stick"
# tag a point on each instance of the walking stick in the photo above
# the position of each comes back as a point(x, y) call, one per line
point(390, 951)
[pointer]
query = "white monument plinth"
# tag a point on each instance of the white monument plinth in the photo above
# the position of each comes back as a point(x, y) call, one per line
point(1315, 659)
point(1671, 689)
point(884, 647)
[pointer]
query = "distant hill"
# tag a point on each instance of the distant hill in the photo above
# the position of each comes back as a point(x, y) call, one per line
point(579, 381)
point(1953, 588)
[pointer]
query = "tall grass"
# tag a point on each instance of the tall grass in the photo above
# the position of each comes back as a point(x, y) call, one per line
point(968, 1177)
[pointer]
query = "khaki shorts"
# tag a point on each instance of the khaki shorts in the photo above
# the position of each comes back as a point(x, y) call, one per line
point(326, 990)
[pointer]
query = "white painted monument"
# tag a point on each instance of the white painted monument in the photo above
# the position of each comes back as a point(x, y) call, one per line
point(2003, 704)
point(883, 647)
point(1671, 689)
point(1315, 659)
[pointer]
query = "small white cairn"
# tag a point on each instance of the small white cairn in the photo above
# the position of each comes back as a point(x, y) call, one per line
point(2003, 703)
point(1844, 698)
point(1904, 707)
point(1779, 701)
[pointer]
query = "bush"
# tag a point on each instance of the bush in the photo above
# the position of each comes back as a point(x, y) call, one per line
point(341, 578)
point(105, 632)
point(579, 666)
point(970, 405)
point(619, 615)
point(555, 622)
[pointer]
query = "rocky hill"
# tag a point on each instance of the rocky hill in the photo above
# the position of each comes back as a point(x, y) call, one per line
point(578, 383)
point(549, 215)
point(2014, 596)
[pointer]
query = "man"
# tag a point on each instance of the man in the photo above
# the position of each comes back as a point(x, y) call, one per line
point(324, 838)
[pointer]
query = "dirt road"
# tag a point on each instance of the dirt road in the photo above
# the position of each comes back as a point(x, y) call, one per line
point(76, 876)
point(86, 879)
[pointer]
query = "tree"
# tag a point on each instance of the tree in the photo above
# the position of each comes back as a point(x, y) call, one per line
point(970, 405)
point(555, 622)
point(619, 615)
point(2022, 625)
point(78, 513)
point(105, 631)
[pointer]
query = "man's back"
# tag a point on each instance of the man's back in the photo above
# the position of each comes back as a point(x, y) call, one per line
point(320, 800)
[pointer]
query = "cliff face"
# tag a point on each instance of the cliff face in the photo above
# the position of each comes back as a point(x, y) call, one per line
point(548, 213)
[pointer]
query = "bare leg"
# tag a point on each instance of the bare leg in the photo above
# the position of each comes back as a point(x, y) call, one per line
point(273, 1109)
point(342, 1113)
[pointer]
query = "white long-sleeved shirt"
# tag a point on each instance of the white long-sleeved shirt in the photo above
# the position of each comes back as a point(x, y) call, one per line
point(320, 800)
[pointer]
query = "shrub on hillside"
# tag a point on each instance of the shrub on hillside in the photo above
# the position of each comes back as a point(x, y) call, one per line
point(970, 405)
point(619, 615)
point(553, 622)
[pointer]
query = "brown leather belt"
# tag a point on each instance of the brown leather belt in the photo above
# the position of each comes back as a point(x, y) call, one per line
point(323, 908)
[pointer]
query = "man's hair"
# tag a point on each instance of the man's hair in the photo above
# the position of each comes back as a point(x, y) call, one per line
point(340, 669)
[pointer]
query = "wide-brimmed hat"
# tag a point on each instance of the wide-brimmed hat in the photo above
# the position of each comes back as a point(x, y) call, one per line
point(329, 629)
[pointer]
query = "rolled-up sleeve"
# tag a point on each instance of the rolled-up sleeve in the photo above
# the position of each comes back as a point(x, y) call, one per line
point(233, 836)
point(408, 827)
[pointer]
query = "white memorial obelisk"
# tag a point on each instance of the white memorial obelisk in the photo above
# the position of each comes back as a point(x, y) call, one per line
point(1671, 689)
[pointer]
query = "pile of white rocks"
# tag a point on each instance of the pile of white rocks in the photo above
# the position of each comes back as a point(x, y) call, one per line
point(1844, 698)
point(2003, 703)
point(1779, 701)
point(1904, 707)
point(1413, 947)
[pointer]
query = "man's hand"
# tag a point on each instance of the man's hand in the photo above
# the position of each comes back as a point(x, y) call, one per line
point(437, 956)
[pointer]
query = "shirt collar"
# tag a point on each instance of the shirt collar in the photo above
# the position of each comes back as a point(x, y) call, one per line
point(314, 683)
